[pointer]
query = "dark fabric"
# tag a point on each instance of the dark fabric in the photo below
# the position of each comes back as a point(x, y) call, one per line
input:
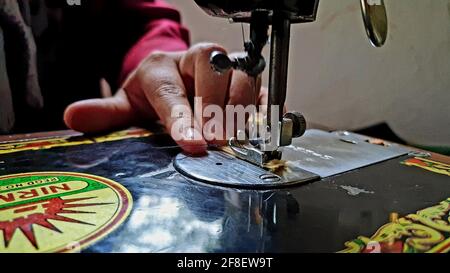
point(20, 78)
point(82, 44)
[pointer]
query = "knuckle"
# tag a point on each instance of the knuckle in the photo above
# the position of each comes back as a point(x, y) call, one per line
point(166, 89)
point(155, 58)
point(153, 70)
point(158, 56)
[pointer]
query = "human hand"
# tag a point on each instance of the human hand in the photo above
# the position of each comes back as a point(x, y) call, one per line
point(162, 82)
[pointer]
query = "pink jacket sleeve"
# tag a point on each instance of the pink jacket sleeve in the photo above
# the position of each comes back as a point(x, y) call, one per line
point(162, 30)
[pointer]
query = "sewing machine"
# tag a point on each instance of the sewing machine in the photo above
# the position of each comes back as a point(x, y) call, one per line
point(131, 191)
point(280, 140)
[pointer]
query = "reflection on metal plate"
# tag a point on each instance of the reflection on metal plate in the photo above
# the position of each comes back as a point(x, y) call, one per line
point(316, 154)
point(375, 20)
point(223, 169)
point(329, 154)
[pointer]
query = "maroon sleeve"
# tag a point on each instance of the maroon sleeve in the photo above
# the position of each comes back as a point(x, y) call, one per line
point(162, 31)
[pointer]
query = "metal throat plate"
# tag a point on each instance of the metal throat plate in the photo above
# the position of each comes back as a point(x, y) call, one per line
point(318, 154)
point(220, 168)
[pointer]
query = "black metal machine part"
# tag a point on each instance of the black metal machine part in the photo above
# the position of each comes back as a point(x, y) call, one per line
point(240, 11)
point(260, 14)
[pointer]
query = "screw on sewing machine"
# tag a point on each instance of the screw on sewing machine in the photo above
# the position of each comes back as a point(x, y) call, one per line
point(299, 123)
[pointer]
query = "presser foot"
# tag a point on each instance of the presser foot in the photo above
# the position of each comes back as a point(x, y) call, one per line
point(265, 150)
point(256, 163)
point(252, 154)
point(248, 163)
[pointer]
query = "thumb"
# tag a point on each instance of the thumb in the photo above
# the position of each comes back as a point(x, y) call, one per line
point(98, 115)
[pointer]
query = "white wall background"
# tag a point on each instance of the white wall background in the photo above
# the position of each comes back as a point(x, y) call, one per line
point(337, 79)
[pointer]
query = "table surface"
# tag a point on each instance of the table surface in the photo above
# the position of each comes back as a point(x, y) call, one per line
point(36, 136)
point(174, 214)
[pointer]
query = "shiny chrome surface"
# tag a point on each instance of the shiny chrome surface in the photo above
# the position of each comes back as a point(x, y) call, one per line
point(220, 168)
point(317, 154)
point(375, 21)
point(328, 154)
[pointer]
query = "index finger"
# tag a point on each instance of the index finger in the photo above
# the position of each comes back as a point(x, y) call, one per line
point(158, 77)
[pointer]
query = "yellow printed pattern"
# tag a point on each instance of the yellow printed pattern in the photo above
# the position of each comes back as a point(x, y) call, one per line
point(63, 212)
point(427, 231)
point(429, 165)
point(43, 144)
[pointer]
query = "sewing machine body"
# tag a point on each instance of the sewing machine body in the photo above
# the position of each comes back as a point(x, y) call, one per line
point(334, 191)
point(171, 212)
point(282, 132)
